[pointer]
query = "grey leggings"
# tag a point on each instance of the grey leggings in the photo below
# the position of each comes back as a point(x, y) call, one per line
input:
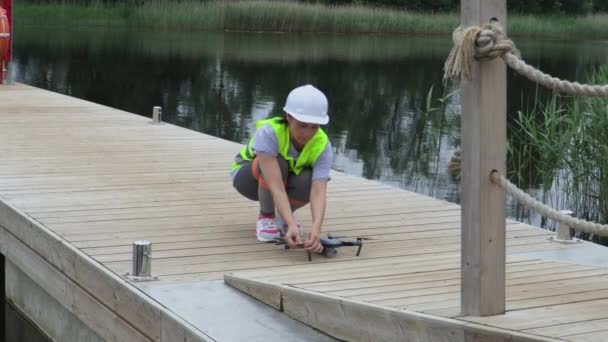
point(250, 183)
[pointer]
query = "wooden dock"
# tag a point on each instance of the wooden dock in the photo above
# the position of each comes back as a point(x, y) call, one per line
point(79, 182)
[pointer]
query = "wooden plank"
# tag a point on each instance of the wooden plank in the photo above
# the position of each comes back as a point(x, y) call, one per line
point(176, 256)
point(590, 294)
point(390, 236)
point(267, 293)
point(144, 202)
point(450, 235)
point(114, 215)
point(523, 294)
point(365, 282)
point(355, 321)
point(546, 316)
point(431, 280)
point(448, 294)
point(386, 220)
point(352, 321)
point(281, 259)
point(445, 226)
point(549, 284)
point(383, 238)
point(479, 333)
point(78, 209)
point(184, 204)
point(527, 299)
point(62, 199)
point(348, 270)
point(198, 249)
point(565, 330)
point(598, 336)
point(484, 150)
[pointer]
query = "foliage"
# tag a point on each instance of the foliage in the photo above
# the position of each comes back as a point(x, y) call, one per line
point(285, 16)
point(562, 145)
point(239, 16)
point(560, 7)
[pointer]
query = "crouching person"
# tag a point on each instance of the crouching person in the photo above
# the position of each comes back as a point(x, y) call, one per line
point(285, 166)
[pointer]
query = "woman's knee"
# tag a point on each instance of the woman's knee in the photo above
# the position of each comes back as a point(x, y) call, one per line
point(283, 166)
point(245, 183)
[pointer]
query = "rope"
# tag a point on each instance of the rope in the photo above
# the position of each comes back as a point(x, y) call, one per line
point(530, 202)
point(490, 42)
point(566, 87)
point(460, 59)
point(454, 165)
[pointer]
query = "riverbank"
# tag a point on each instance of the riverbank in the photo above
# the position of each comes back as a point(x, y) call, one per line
point(272, 16)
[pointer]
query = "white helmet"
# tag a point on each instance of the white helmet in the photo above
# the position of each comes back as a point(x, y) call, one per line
point(307, 104)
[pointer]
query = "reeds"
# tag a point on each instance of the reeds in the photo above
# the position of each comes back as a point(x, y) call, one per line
point(286, 16)
point(591, 26)
point(561, 147)
point(273, 16)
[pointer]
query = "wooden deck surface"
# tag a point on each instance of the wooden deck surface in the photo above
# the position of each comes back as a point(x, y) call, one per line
point(102, 178)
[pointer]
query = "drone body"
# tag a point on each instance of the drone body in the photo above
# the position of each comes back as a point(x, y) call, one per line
point(330, 243)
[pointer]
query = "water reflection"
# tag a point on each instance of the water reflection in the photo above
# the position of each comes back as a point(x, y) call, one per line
point(382, 124)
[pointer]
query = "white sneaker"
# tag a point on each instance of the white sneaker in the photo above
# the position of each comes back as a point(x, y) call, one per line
point(283, 226)
point(266, 230)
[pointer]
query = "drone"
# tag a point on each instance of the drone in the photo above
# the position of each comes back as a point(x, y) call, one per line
point(330, 244)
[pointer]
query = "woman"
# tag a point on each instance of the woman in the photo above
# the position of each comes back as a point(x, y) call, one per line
point(285, 166)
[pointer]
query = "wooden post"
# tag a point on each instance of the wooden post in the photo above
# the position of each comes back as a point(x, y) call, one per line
point(483, 150)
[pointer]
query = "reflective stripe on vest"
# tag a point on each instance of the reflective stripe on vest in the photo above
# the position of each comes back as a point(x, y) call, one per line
point(308, 156)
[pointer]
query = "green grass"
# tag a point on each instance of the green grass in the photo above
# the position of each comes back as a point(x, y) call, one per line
point(592, 26)
point(285, 16)
point(274, 16)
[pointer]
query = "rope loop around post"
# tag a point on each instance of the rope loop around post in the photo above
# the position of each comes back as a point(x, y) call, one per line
point(490, 41)
point(481, 43)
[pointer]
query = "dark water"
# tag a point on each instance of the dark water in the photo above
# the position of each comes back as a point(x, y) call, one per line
point(383, 125)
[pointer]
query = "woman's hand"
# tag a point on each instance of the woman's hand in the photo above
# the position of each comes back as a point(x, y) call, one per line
point(313, 243)
point(293, 238)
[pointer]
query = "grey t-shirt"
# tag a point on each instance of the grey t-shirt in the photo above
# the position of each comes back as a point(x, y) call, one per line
point(266, 142)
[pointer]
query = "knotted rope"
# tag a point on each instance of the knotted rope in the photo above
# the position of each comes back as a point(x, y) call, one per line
point(454, 165)
point(490, 42)
point(532, 203)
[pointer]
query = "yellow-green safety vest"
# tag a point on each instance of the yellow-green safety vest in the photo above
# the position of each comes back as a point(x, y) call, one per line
point(308, 156)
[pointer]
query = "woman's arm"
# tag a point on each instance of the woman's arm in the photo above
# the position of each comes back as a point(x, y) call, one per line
point(317, 209)
point(272, 176)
